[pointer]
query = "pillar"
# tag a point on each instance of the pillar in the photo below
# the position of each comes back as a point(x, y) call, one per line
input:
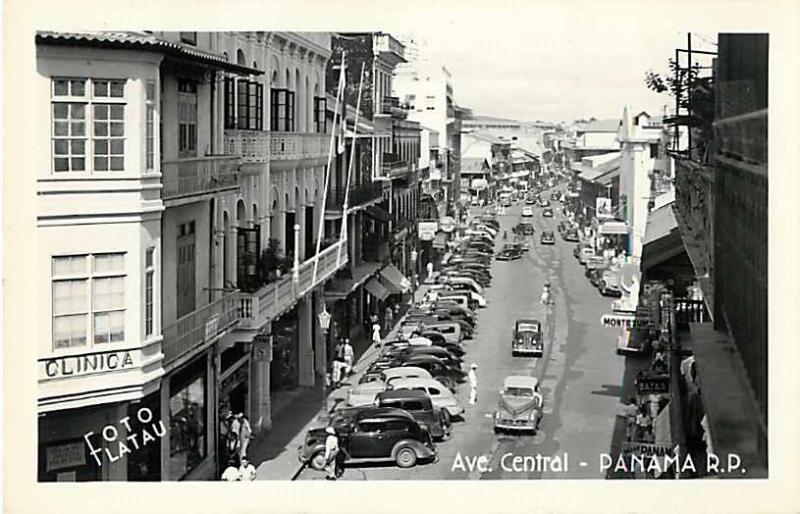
point(300, 219)
point(165, 441)
point(260, 400)
point(305, 358)
point(357, 236)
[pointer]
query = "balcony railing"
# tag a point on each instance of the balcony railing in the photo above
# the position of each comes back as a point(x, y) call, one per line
point(295, 145)
point(359, 195)
point(199, 175)
point(251, 145)
point(743, 137)
point(387, 43)
point(393, 165)
point(391, 105)
point(196, 328)
point(267, 303)
point(690, 311)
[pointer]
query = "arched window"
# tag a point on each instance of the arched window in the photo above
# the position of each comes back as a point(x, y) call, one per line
point(240, 60)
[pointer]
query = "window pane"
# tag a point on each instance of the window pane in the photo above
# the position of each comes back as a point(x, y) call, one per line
point(77, 111)
point(100, 164)
point(117, 164)
point(61, 147)
point(78, 128)
point(117, 89)
point(117, 146)
point(100, 112)
point(78, 164)
point(69, 296)
point(117, 326)
point(69, 331)
point(78, 146)
point(148, 257)
point(61, 128)
point(78, 87)
point(100, 129)
point(61, 164)
point(60, 111)
point(117, 129)
point(150, 90)
point(100, 88)
point(101, 147)
point(60, 87)
point(101, 328)
point(109, 262)
point(117, 112)
point(69, 265)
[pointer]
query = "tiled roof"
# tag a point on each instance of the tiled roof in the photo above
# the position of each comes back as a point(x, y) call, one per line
point(140, 41)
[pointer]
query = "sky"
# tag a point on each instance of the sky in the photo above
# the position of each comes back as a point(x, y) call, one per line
point(561, 62)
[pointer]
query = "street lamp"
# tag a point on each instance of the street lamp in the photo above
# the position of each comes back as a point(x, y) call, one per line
point(324, 323)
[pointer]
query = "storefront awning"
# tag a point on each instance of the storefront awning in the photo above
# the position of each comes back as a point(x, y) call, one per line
point(614, 228)
point(440, 240)
point(394, 279)
point(662, 239)
point(376, 289)
point(377, 213)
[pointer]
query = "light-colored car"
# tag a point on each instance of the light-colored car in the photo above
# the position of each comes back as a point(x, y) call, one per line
point(364, 394)
point(527, 211)
point(520, 405)
point(585, 254)
point(465, 280)
point(440, 395)
point(392, 374)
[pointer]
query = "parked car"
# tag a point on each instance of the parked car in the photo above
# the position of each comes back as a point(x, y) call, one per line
point(439, 370)
point(576, 252)
point(585, 253)
point(544, 202)
point(610, 284)
point(451, 331)
point(527, 211)
point(364, 394)
point(509, 254)
point(594, 262)
point(526, 338)
point(547, 213)
point(439, 394)
point(391, 374)
point(555, 196)
point(530, 201)
point(570, 235)
point(371, 434)
point(419, 405)
point(548, 238)
point(519, 407)
point(527, 229)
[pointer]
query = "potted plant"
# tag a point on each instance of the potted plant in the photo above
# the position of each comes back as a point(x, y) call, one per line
point(271, 260)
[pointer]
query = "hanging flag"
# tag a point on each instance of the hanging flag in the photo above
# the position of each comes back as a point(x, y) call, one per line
point(341, 131)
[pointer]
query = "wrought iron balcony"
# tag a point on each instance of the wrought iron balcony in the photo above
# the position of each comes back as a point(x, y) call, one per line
point(255, 309)
point(184, 178)
point(251, 145)
point(394, 166)
point(191, 332)
point(295, 145)
point(359, 195)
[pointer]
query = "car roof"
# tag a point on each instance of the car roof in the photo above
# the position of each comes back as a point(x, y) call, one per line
point(372, 411)
point(415, 382)
point(528, 320)
point(402, 393)
point(400, 371)
point(520, 381)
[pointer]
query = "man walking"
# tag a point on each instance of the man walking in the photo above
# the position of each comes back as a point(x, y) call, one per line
point(331, 452)
point(348, 356)
point(376, 335)
point(473, 384)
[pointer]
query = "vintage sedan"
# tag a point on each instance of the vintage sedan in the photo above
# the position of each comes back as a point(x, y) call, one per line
point(548, 238)
point(364, 394)
point(570, 235)
point(527, 211)
point(419, 405)
point(526, 339)
point(440, 395)
point(509, 254)
point(371, 434)
point(520, 405)
point(547, 213)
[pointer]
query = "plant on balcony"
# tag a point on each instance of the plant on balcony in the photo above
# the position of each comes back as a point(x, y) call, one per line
point(272, 261)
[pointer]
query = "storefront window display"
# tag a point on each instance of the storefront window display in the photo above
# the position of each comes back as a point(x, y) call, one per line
point(144, 464)
point(187, 408)
point(284, 365)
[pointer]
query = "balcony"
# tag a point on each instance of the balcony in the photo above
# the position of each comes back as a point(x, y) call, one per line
point(392, 107)
point(288, 146)
point(744, 137)
point(251, 145)
point(191, 332)
point(394, 166)
point(359, 195)
point(197, 176)
point(390, 49)
point(256, 309)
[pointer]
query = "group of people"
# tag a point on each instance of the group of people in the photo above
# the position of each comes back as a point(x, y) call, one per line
point(235, 433)
point(239, 470)
point(343, 356)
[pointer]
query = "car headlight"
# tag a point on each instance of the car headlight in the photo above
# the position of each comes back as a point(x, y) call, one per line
point(497, 415)
point(532, 415)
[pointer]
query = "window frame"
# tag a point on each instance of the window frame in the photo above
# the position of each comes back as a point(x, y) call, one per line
point(150, 125)
point(190, 38)
point(149, 291)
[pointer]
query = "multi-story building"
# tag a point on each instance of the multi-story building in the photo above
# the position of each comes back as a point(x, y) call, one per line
point(178, 260)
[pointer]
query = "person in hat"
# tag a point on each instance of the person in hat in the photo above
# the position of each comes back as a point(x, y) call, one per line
point(546, 296)
point(331, 454)
point(473, 384)
point(247, 471)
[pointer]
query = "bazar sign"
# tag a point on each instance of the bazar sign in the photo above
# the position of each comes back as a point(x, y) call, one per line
point(652, 385)
point(618, 320)
point(84, 364)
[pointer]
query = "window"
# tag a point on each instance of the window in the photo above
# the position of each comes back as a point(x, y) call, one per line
point(320, 121)
point(370, 426)
point(188, 37)
point(413, 406)
point(654, 150)
point(249, 105)
point(78, 291)
point(149, 277)
point(99, 103)
point(395, 425)
point(282, 110)
point(187, 119)
point(230, 102)
point(150, 130)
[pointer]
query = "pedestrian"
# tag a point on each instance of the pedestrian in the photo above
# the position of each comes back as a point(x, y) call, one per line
point(331, 453)
point(389, 316)
point(245, 433)
point(631, 410)
point(376, 335)
point(231, 473)
point(473, 384)
point(546, 296)
point(348, 357)
point(247, 471)
point(429, 268)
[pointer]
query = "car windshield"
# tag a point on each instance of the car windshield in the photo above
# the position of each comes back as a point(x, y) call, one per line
point(522, 392)
point(527, 327)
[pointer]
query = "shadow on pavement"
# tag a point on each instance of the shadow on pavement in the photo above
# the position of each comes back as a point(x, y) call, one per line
point(633, 364)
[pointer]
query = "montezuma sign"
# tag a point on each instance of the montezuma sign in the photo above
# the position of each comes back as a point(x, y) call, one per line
point(626, 321)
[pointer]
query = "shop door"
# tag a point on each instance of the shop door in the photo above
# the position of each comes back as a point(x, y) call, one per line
point(247, 252)
point(186, 269)
point(289, 234)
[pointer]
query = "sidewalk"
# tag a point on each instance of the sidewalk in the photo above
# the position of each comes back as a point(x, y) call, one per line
point(295, 412)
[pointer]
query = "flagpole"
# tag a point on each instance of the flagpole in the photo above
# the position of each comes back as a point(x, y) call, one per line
point(320, 231)
point(343, 234)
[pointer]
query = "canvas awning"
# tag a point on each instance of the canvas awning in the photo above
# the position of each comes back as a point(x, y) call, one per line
point(613, 228)
point(376, 289)
point(394, 279)
point(662, 239)
point(377, 213)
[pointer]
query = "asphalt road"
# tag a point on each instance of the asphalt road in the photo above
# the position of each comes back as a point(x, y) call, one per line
point(580, 374)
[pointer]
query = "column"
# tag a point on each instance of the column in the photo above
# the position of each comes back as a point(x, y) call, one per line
point(300, 219)
point(305, 358)
point(357, 236)
point(260, 405)
point(165, 417)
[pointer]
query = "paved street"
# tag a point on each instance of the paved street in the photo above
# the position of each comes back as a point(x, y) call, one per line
point(580, 373)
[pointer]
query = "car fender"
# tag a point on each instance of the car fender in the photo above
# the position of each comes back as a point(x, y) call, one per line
point(417, 446)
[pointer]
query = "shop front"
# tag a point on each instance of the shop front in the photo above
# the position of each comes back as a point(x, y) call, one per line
point(284, 370)
point(187, 409)
point(233, 395)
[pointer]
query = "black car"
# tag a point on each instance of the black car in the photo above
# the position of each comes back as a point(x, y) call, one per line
point(509, 254)
point(418, 404)
point(445, 374)
point(527, 229)
point(371, 434)
point(555, 196)
point(571, 235)
point(576, 252)
point(526, 338)
point(548, 238)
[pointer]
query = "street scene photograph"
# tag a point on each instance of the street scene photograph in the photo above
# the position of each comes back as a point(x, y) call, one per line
point(468, 249)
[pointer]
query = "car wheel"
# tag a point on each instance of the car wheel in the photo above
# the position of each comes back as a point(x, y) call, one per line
point(497, 430)
point(406, 457)
point(317, 461)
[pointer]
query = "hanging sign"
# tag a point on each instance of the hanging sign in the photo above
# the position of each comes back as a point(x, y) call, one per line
point(652, 385)
point(623, 320)
point(427, 230)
